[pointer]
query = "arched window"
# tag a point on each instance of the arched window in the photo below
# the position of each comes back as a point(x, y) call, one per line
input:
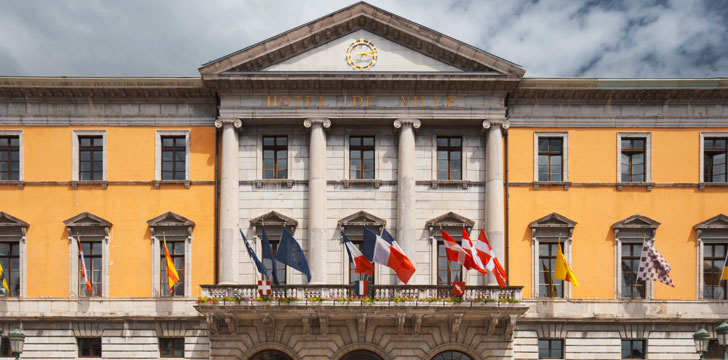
point(270, 355)
point(361, 355)
point(451, 355)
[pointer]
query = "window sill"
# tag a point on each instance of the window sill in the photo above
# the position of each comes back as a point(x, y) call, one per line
point(647, 185)
point(158, 183)
point(362, 183)
point(434, 184)
point(703, 185)
point(18, 183)
point(103, 183)
point(287, 182)
point(538, 184)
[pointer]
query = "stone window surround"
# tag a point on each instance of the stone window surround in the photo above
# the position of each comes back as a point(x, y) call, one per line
point(158, 152)
point(23, 255)
point(433, 228)
point(564, 152)
point(535, 254)
point(73, 258)
point(373, 221)
point(703, 136)
point(257, 244)
point(157, 258)
point(259, 132)
point(648, 153)
point(713, 235)
point(618, 240)
point(378, 152)
point(75, 168)
point(19, 134)
point(464, 155)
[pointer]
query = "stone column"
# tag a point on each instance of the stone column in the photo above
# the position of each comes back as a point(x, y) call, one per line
point(229, 251)
point(317, 239)
point(406, 192)
point(494, 198)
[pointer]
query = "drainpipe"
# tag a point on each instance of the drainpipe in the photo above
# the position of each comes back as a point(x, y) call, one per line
point(217, 192)
point(505, 183)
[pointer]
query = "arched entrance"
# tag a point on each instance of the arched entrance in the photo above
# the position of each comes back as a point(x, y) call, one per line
point(451, 355)
point(361, 355)
point(270, 355)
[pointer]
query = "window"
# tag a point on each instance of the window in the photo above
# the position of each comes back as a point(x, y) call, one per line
point(176, 247)
point(546, 233)
point(172, 158)
point(633, 349)
point(361, 157)
point(446, 272)
point(89, 347)
point(712, 241)
point(449, 158)
point(9, 157)
point(631, 286)
point(177, 231)
point(89, 155)
point(634, 157)
point(172, 347)
point(550, 157)
point(274, 223)
point(548, 286)
point(275, 157)
point(10, 261)
point(630, 235)
point(550, 348)
point(92, 232)
point(353, 226)
point(5, 350)
point(715, 156)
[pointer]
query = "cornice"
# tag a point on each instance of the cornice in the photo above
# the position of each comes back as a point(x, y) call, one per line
point(117, 87)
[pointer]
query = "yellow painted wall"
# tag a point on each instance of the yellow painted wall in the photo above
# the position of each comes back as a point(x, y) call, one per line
point(130, 156)
point(593, 159)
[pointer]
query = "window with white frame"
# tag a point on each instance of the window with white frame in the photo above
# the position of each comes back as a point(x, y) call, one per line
point(446, 272)
point(353, 226)
point(172, 155)
point(630, 235)
point(712, 236)
point(635, 157)
point(273, 223)
point(550, 157)
point(176, 231)
point(13, 254)
point(89, 155)
point(11, 155)
point(714, 157)
point(546, 234)
point(89, 233)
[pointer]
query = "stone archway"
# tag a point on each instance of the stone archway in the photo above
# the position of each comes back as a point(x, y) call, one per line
point(270, 355)
point(452, 355)
point(361, 355)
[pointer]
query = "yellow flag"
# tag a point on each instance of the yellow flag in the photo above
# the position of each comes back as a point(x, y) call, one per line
point(172, 276)
point(2, 277)
point(562, 271)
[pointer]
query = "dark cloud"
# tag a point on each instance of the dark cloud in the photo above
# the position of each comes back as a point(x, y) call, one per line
point(616, 38)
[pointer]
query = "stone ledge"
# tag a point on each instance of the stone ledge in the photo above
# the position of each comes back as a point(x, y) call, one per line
point(82, 308)
point(621, 310)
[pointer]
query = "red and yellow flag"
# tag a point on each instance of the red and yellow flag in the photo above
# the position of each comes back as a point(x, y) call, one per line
point(172, 277)
point(563, 271)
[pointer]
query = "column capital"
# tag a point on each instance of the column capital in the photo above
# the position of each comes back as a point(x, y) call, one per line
point(505, 124)
point(415, 123)
point(325, 123)
point(237, 123)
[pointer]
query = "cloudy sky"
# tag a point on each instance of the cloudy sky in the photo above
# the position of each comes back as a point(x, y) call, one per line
point(559, 38)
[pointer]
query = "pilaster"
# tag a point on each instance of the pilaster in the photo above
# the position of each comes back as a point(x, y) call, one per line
point(317, 239)
point(229, 244)
point(494, 196)
point(406, 191)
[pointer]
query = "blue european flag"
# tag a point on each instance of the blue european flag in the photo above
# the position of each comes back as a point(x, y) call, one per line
point(261, 268)
point(290, 253)
point(268, 254)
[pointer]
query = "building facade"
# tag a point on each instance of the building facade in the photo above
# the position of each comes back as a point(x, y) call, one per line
point(361, 119)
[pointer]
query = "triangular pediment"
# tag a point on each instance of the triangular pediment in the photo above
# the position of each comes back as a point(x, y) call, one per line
point(636, 221)
point(322, 44)
point(450, 219)
point(553, 220)
point(274, 218)
point(86, 219)
point(719, 221)
point(362, 218)
point(170, 219)
point(7, 220)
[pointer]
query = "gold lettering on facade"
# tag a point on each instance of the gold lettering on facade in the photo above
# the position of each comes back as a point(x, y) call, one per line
point(404, 100)
point(285, 100)
point(358, 101)
point(368, 98)
point(298, 97)
point(308, 100)
point(450, 100)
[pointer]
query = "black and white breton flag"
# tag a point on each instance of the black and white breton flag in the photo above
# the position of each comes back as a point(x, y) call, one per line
point(653, 266)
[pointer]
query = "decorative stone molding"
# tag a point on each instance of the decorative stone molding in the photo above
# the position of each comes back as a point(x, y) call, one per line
point(323, 324)
point(232, 324)
point(269, 323)
point(306, 324)
point(504, 123)
point(418, 324)
point(492, 323)
point(401, 319)
point(237, 123)
point(171, 329)
point(457, 320)
point(361, 323)
point(87, 329)
point(508, 332)
point(415, 123)
point(308, 123)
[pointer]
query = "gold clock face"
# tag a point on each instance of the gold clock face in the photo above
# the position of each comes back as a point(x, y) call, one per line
point(361, 55)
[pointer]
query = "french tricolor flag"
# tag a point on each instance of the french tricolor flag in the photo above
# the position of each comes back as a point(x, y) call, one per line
point(385, 250)
point(361, 263)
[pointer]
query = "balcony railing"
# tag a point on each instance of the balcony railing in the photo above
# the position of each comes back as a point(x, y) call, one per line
point(380, 292)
